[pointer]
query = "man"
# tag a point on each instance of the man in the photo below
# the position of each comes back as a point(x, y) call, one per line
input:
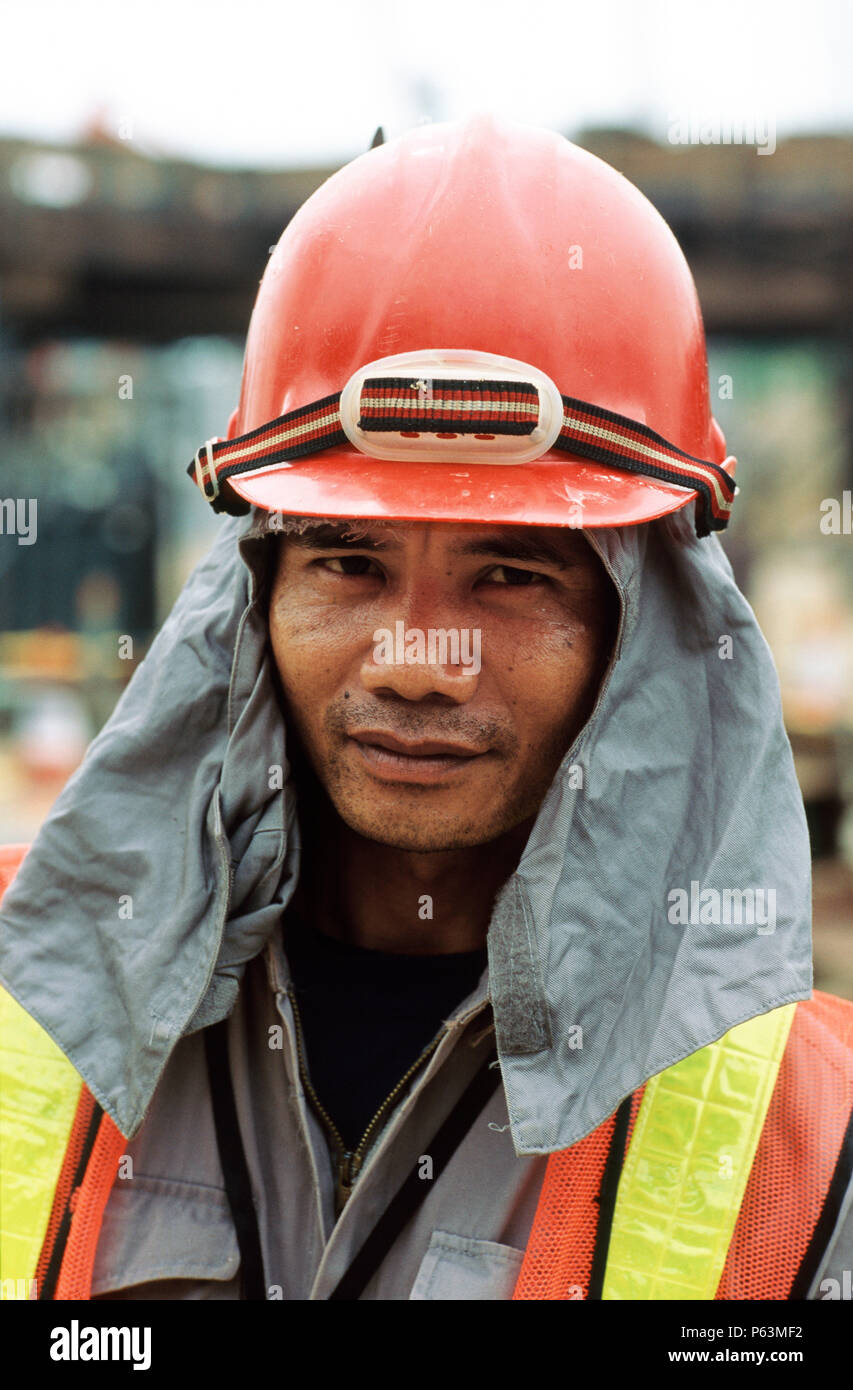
point(429, 919)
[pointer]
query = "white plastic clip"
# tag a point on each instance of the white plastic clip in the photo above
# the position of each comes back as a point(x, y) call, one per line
point(206, 470)
point(428, 368)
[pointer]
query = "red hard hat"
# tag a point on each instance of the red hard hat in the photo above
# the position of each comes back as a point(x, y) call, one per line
point(554, 368)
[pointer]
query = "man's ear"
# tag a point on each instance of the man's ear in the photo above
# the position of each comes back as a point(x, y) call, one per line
point(231, 432)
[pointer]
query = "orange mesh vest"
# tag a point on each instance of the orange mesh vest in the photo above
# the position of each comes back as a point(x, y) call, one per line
point(797, 1182)
point(798, 1179)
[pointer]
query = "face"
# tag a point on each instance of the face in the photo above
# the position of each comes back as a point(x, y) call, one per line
point(436, 674)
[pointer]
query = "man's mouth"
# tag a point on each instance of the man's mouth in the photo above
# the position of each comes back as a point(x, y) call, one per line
point(424, 761)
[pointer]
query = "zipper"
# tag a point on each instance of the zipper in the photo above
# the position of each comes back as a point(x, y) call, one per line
point(348, 1162)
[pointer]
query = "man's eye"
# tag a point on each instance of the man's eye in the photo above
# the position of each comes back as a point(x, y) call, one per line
point(348, 564)
point(506, 574)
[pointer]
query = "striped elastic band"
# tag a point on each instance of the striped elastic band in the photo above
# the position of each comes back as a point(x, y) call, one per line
point(482, 409)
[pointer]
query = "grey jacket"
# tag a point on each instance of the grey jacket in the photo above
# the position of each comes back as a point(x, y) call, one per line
point(686, 777)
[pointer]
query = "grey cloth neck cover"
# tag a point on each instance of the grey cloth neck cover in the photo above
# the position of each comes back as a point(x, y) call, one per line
point(176, 814)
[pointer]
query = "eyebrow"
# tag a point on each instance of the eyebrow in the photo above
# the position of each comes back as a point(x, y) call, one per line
point(535, 549)
point(511, 546)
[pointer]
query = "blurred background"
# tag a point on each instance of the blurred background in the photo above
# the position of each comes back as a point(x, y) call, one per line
point(150, 156)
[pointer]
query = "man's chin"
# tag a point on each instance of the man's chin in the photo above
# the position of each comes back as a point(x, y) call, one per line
point(420, 839)
point(402, 820)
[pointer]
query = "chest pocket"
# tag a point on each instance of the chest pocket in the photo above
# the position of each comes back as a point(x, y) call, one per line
point(156, 1229)
point(459, 1267)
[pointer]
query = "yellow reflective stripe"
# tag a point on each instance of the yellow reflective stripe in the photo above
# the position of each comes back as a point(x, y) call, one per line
point(39, 1090)
point(688, 1163)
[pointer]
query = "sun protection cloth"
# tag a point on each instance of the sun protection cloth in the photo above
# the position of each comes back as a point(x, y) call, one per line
point(688, 786)
point(497, 242)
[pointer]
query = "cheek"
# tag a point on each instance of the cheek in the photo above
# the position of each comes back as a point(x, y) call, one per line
point(549, 678)
point(314, 650)
point(305, 624)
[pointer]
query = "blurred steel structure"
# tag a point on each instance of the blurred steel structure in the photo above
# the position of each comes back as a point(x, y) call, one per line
point(97, 239)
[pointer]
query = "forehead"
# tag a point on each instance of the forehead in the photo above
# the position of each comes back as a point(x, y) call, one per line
point(553, 545)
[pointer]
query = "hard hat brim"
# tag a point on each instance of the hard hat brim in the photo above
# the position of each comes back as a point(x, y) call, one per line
point(557, 489)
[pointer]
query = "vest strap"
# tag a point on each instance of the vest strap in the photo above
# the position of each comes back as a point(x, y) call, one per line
point(830, 1212)
point(607, 1197)
point(232, 1156)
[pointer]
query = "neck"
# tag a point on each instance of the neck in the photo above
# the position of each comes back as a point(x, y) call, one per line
point(408, 903)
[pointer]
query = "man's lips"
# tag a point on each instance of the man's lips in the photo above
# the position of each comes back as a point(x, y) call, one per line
point(423, 748)
point(425, 761)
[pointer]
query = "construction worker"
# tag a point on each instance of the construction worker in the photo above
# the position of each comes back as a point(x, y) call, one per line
point(431, 919)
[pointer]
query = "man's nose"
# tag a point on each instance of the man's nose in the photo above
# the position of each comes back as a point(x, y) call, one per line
point(417, 663)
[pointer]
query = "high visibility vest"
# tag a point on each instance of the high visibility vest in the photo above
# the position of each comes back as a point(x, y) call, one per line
point(722, 1177)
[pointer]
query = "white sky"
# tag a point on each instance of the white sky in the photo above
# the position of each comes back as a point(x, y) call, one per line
point(263, 83)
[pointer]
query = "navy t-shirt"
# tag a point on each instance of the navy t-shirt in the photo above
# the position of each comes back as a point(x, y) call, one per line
point(367, 1015)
